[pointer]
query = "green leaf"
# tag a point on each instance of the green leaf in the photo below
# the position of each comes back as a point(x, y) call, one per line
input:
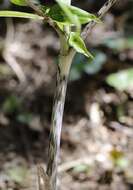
point(19, 2)
point(18, 174)
point(20, 15)
point(70, 17)
point(82, 64)
point(119, 44)
point(68, 14)
point(122, 163)
point(81, 168)
point(78, 44)
point(25, 118)
point(118, 158)
point(56, 13)
point(5, 71)
point(11, 104)
point(95, 65)
point(44, 9)
point(122, 80)
point(83, 16)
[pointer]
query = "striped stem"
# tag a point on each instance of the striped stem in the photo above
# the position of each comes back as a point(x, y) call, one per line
point(65, 61)
point(57, 115)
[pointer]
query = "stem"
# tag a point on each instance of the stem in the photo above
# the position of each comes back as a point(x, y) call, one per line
point(57, 115)
point(34, 7)
point(104, 9)
point(65, 61)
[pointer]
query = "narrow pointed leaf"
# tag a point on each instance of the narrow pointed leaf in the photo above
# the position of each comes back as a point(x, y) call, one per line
point(20, 15)
point(83, 16)
point(78, 44)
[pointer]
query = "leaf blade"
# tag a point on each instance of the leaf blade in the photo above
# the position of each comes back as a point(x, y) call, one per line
point(17, 14)
point(78, 44)
point(76, 14)
point(122, 80)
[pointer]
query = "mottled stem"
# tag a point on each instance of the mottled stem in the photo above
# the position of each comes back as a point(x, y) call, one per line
point(57, 115)
point(64, 65)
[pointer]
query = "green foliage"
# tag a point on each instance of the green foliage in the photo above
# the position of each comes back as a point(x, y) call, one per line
point(25, 118)
point(90, 66)
point(45, 9)
point(18, 174)
point(96, 64)
point(63, 14)
point(57, 14)
point(118, 158)
point(83, 16)
point(19, 2)
point(78, 44)
point(20, 15)
point(69, 14)
point(67, 2)
point(122, 80)
point(24, 2)
point(119, 44)
point(11, 104)
point(81, 168)
point(5, 71)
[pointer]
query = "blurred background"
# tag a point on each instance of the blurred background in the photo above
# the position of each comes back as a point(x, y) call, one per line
point(97, 134)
